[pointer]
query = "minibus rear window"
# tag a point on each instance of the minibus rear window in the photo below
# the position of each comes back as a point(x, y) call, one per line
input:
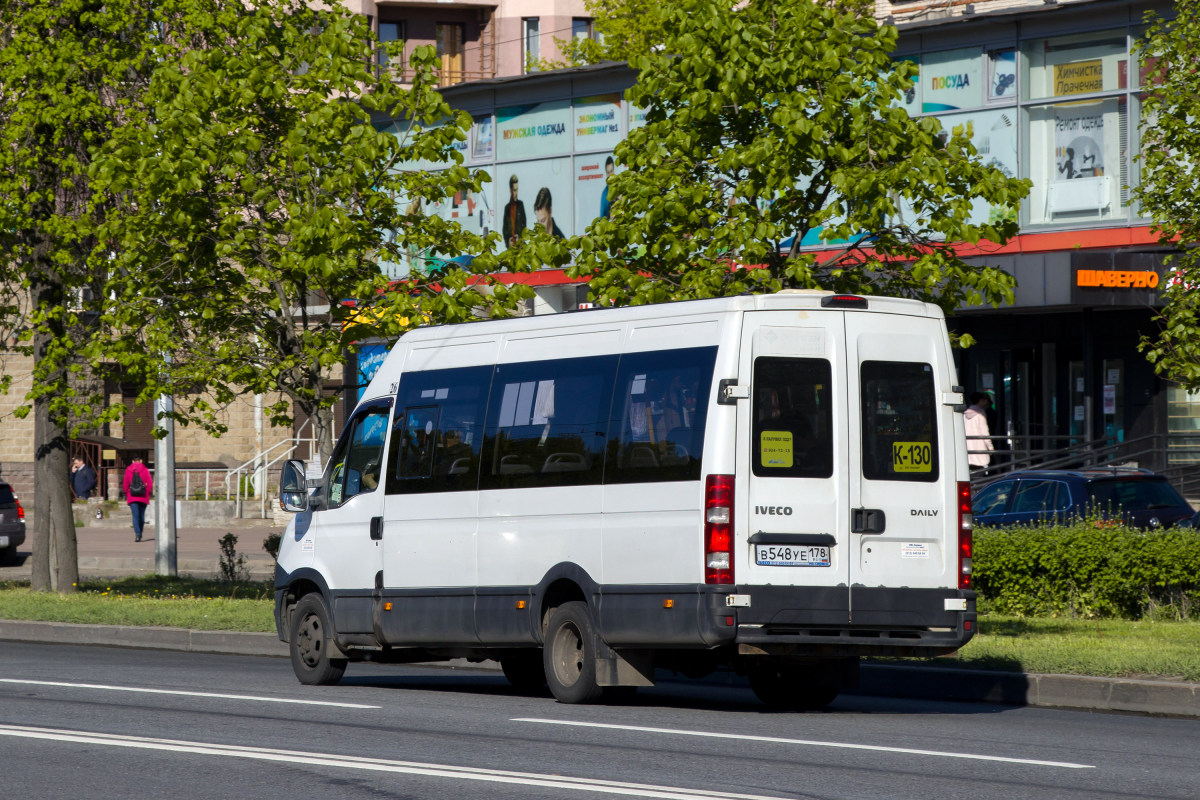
point(899, 422)
point(793, 418)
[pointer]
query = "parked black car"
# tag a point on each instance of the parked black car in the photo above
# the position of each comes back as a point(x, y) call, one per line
point(1140, 497)
point(12, 523)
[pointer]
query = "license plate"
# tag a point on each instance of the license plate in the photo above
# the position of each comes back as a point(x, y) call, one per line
point(790, 555)
point(3, 541)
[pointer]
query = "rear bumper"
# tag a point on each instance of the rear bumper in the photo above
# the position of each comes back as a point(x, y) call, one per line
point(12, 534)
point(866, 621)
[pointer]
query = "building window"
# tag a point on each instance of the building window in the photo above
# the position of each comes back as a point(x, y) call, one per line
point(450, 37)
point(531, 48)
point(389, 32)
point(581, 28)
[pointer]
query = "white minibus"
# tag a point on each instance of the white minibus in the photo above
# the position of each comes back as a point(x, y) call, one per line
point(774, 484)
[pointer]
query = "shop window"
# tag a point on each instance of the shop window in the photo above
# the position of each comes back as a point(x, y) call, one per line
point(1075, 65)
point(1078, 161)
point(993, 132)
point(952, 80)
point(1002, 75)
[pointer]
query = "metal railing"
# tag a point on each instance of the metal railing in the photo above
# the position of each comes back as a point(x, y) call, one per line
point(248, 480)
point(1164, 454)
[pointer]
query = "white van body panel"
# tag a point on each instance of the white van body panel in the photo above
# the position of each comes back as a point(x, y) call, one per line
point(479, 565)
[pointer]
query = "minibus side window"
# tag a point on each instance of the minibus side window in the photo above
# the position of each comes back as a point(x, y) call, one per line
point(437, 431)
point(793, 418)
point(357, 461)
point(899, 421)
point(545, 423)
point(658, 416)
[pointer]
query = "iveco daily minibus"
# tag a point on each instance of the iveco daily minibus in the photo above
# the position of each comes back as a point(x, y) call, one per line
point(772, 484)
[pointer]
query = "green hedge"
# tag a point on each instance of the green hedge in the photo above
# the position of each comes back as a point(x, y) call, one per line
point(1088, 569)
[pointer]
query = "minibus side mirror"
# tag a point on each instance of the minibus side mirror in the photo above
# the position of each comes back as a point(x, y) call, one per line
point(293, 486)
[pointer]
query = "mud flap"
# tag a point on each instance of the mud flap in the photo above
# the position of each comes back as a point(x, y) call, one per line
point(624, 668)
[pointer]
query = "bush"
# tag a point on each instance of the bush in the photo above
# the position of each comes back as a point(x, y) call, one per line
point(1089, 568)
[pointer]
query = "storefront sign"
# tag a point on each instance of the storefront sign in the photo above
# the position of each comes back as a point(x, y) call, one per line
point(1116, 278)
point(952, 80)
point(1080, 77)
point(598, 122)
point(533, 131)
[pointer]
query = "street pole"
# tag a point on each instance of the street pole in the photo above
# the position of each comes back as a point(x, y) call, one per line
point(165, 561)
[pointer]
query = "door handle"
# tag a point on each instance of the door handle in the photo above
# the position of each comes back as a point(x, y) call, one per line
point(867, 520)
point(376, 528)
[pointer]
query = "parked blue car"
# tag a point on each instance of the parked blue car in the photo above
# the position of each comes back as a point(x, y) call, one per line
point(1139, 497)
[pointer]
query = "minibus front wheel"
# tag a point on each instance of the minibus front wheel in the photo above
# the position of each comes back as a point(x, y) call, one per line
point(570, 654)
point(311, 641)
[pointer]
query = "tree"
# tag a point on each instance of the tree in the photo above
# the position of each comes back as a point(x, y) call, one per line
point(771, 122)
point(189, 189)
point(622, 32)
point(1169, 191)
point(258, 197)
point(69, 72)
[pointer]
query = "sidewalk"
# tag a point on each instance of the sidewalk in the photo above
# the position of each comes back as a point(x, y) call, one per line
point(110, 552)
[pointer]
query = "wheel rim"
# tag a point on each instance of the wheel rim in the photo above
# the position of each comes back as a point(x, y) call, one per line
point(568, 654)
point(309, 640)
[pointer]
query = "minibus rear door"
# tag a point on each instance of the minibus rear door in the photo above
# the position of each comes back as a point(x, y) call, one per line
point(793, 490)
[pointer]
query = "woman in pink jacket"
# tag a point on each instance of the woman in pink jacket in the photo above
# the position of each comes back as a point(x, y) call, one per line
point(137, 487)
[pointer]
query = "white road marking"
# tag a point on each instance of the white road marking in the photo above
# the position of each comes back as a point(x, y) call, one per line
point(809, 743)
point(293, 757)
point(248, 697)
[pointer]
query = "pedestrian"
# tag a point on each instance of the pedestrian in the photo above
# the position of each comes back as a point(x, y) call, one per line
point(137, 486)
point(83, 478)
point(978, 435)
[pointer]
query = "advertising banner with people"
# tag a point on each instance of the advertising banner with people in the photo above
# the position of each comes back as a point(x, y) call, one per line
point(535, 193)
point(592, 195)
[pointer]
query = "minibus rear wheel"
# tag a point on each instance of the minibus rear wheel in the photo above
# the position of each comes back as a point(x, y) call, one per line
point(310, 642)
point(570, 654)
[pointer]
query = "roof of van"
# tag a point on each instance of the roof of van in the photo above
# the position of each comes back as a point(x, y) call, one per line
point(799, 299)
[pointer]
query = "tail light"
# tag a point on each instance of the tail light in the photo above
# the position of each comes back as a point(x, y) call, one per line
point(718, 529)
point(966, 524)
point(20, 510)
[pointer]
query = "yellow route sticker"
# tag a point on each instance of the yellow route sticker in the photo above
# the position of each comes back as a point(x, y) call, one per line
point(776, 449)
point(912, 457)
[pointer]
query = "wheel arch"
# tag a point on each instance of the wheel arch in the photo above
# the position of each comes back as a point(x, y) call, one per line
point(563, 583)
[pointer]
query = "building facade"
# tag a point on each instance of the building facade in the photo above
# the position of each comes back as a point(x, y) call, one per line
point(1051, 92)
point(476, 39)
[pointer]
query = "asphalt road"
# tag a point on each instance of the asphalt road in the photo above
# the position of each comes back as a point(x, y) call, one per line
point(101, 722)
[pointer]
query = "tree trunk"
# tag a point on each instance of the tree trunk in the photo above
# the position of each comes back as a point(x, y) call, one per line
point(322, 422)
point(55, 552)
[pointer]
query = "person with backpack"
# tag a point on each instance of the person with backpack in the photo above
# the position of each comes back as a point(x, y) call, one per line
point(137, 487)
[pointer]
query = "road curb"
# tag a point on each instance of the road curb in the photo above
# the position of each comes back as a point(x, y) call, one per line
point(147, 638)
point(1158, 698)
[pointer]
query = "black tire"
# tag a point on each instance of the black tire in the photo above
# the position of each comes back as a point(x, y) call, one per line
point(8, 555)
point(525, 670)
point(310, 644)
point(570, 655)
point(791, 687)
